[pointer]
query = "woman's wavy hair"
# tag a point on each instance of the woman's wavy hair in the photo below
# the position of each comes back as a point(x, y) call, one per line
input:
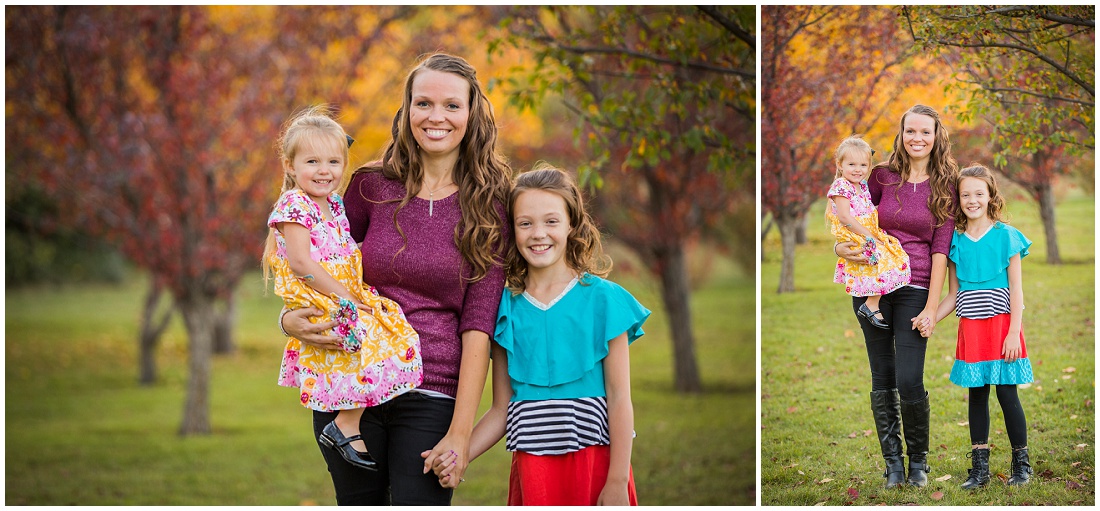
point(584, 249)
point(482, 175)
point(996, 200)
point(310, 126)
point(943, 170)
point(854, 143)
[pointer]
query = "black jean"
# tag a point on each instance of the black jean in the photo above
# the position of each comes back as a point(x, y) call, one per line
point(896, 355)
point(395, 432)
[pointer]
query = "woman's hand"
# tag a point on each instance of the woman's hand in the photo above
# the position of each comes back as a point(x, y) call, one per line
point(850, 251)
point(297, 324)
point(925, 322)
point(452, 454)
point(1011, 350)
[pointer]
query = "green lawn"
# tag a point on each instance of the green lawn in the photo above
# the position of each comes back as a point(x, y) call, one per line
point(817, 440)
point(80, 431)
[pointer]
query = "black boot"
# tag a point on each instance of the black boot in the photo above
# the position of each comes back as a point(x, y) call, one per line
point(979, 475)
point(915, 421)
point(1021, 467)
point(884, 406)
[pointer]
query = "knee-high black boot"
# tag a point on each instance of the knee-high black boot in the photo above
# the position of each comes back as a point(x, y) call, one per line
point(884, 406)
point(915, 418)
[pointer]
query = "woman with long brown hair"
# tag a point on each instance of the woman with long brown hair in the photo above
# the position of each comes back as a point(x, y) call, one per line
point(914, 194)
point(432, 226)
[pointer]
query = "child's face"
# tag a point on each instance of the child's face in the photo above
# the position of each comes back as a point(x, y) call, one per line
point(542, 229)
point(974, 198)
point(318, 167)
point(854, 166)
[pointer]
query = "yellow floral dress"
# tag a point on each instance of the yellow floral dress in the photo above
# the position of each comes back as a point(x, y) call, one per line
point(381, 356)
point(888, 265)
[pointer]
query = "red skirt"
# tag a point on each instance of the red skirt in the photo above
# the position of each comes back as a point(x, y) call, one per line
point(572, 479)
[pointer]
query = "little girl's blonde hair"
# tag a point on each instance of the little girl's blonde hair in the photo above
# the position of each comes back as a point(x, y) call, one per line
point(584, 249)
point(996, 200)
point(312, 125)
point(852, 143)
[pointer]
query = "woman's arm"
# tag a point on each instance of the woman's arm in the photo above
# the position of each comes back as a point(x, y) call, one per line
point(925, 321)
point(471, 383)
point(620, 415)
point(844, 214)
point(490, 428)
point(1011, 350)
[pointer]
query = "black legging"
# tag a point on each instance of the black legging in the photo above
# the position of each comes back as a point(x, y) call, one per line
point(897, 355)
point(1015, 423)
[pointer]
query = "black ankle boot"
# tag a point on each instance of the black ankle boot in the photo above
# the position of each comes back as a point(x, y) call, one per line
point(915, 419)
point(1021, 467)
point(884, 406)
point(979, 475)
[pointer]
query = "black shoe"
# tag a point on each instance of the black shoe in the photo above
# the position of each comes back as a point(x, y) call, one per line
point(869, 315)
point(884, 407)
point(332, 438)
point(1021, 467)
point(979, 475)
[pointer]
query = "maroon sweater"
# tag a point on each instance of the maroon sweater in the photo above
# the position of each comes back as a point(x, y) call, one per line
point(424, 277)
point(903, 213)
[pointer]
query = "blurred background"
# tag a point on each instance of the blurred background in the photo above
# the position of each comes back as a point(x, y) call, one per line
point(141, 349)
point(1015, 88)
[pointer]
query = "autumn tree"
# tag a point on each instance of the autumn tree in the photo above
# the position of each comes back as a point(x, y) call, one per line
point(664, 99)
point(1028, 74)
point(153, 126)
point(826, 73)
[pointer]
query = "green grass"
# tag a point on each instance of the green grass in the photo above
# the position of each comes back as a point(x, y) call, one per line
point(817, 438)
point(81, 431)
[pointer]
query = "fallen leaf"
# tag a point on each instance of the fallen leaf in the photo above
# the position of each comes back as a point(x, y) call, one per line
point(1075, 464)
point(1069, 370)
point(1002, 477)
point(853, 434)
point(1088, 403)
point(944, 478)
point(853, 493)
point(849, 334)
point(307, 502)
point(792, 465)
point(1046, 474)
point(822, 503)
point(801, 473)
point(868, 432)
point(1074, 416)
point(1070, 485)
point(823, 481)
point(792, 409)
point(937, 495)
point(1066, 376)
point(964, 423)
point(1080, 447)
point(943, 447)
point(1024, 386)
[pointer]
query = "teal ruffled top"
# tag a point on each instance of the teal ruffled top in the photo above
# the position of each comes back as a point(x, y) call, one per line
point(983, 264)
point(556, 350)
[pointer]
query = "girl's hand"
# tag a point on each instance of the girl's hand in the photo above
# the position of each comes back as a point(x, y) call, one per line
point(450, 446)
point(1011, 350)
point(296, 323)
point(614, 494)
point(365, 308)
point(851, 252)
point(925, 322)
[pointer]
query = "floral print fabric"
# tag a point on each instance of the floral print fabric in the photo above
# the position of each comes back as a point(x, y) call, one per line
point(888, 269)
point(381, 356)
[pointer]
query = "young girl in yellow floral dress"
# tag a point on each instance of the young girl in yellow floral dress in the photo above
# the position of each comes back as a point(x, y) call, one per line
point(316, 263)
point(853, 217)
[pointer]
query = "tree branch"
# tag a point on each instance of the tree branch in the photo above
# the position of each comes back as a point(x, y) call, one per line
point(1038, 95)
point(1026, 49)
point(729, 24)
point(703, 66)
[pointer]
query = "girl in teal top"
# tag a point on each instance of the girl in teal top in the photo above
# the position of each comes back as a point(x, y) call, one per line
point(561, 370)
point(985, 290)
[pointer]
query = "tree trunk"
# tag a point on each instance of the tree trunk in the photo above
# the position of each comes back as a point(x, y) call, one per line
point(800, 231)
point(676, 292)
point(763, 235)
point(224, 318)
point(1045, 196)
point(788, 233)
point(198, 316)
point(151, 330)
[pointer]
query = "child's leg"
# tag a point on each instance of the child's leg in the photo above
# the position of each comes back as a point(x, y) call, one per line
point(979, 417)
point(872, 303)
point(1015, 422)
point(348, 422)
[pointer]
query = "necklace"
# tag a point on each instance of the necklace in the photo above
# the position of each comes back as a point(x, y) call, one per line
point(431, 197)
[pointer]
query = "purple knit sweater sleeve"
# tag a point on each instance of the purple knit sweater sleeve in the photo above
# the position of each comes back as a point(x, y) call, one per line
point(903, 213)
point(422, 271)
